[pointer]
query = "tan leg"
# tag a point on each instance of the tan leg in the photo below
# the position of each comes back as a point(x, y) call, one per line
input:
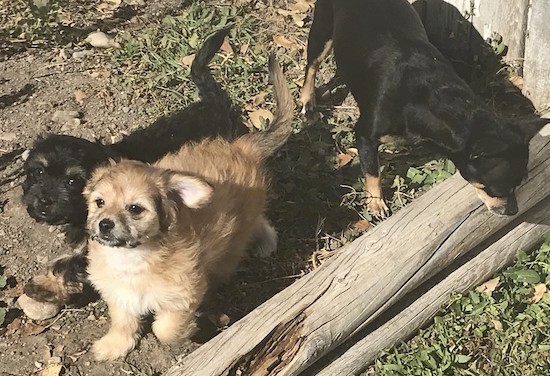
point(307, 96)
point(265, 239)
point(173, 326)
point(375, 199)
point(122, 336)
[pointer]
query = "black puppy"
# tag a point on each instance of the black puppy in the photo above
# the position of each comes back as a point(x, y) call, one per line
point(58, 167)
point(404, 86)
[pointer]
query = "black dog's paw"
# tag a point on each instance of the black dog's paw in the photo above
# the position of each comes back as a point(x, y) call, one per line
point(45, 289)
point(378, 208)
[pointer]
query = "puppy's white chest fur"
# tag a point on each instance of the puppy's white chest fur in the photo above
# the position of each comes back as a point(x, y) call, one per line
point(124, 278)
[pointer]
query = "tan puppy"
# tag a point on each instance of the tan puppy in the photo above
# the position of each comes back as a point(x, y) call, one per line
point(161, 236)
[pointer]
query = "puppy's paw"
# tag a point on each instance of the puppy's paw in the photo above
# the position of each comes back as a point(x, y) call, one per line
point(265, 239)
point(378, 207)
point(173, 327)
point(112, 346)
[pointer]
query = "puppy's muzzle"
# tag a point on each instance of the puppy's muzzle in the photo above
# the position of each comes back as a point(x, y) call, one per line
point(499, 205)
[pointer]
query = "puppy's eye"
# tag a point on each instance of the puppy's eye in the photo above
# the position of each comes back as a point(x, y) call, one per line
point(39, 171)
point(71, 182)
point(99, 202)
point(135, 209)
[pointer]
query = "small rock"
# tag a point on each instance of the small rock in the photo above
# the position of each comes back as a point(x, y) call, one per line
point(25, 154)
point(99, 39)
point(125, 109)
point(70, 125)
point(82, 54)
point(37, 310)
point(8, 136)
point(65, 116)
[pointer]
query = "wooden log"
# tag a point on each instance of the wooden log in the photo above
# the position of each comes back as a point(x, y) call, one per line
point(536, 70)
point(317, 313)
point(535, 225)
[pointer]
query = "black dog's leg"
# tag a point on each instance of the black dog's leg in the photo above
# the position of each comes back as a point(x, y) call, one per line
point(66, 278)
point(367, 146)
point(319, 44)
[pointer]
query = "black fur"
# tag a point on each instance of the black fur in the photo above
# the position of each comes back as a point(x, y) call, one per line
point(50, 197)
point(404, 86)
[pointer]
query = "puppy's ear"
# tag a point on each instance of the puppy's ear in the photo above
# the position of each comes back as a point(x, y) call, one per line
point(530, 126)
point(191, 190)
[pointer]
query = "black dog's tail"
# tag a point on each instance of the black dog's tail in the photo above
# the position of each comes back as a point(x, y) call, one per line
point(209, 90)
point(280, 128)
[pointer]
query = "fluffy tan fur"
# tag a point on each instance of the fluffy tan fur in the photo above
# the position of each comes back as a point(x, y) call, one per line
point(199, 210)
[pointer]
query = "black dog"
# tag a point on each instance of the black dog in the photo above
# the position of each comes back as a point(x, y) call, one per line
point(404, 86)
point(58, 167)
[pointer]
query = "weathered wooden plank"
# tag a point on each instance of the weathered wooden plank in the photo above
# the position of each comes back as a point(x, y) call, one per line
point(530, 232)
point(302, 323)
point(536, 68)
point(505, 17)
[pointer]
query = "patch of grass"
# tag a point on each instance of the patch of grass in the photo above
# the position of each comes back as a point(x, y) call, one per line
point(500, 333)
point(152, 63)
point(31, 23)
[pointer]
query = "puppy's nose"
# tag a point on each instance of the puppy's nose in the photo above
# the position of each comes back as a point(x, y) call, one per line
point(106, 225)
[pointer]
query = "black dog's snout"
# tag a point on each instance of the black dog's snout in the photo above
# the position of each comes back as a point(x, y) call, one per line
point(106, 225)
point(45, 200)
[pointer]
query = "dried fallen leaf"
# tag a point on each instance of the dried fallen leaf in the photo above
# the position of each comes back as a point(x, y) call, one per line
point(361, 225)
point(226, 47)
point(99, 39)
point(14, 326)
point(187, 60)
point(299, 6)
point(79, 95)
point(74, 357)
point(489, 286)
point(539, 292)
point(497, 324)
point(517, 81)
point(32, 329)
point(51, 370)
point(283, 41)
point(244, 48)
point(344, 159)
point(109, 5)
point(257, 116)
point(299, 19)
point(259, 99)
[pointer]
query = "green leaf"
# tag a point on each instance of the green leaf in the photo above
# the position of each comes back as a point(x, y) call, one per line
point(526, 276)
point(2, 315)
point(193, 41)
point(40, 3)
point(3, 282)
point(461, 359)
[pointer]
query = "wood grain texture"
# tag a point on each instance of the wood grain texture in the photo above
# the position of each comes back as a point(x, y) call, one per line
point(305, 321)
point(507, 18)
point(535, 225)
point(536, 67)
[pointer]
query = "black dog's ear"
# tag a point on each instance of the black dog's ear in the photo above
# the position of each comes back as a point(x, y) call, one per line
point(529, 126)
